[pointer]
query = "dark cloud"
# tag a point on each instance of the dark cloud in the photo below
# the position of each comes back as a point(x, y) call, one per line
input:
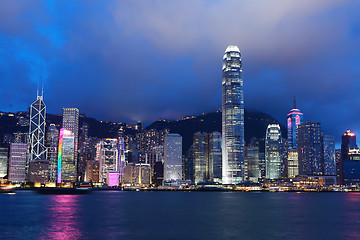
point(141, 60)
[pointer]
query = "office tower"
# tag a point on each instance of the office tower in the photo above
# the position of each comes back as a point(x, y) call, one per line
point(17, 162)
point(3, 162)
point(294, 119)
point(66, 168)
point(142, 174)
point(158, 173)
point(310, 149)
point(173, 157)
point(337, 162)
point(348, 142)
point(71, 122)
point(37, 149)
point(292, 163)
point(109, 157)
point(215, 156)
point(273, 153)
point(233, 142)
point(252, 167)
point(85, 150)
point(122, 158)
point(129, 173)
point(201, 157)
point(156, 160)
point(351, 167)
point(52, 141)
point(262, 174)
point(92, 171)
point(329, 155)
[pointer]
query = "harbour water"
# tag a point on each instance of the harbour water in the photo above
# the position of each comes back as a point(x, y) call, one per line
point(180, 215)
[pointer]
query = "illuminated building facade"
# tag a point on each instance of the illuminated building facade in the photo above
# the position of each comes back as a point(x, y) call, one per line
point(122, 158)
point(37, 149)
point(17, 162)
point(352, 167)
point(348, 143)
point(252, 168)
point(294, 119)
point(173, 157)
point(329, 155)
point(215, 156)
point(142, 174)
point(201, 157)
point(71, 122)
point(109, 157)
point(3, 161)
point(67, 167)
point(273, 153)
point(292, 163)
point(92, 171)
point(52, 141)
point(112, 179)
point(310, 150)
point(233, 142)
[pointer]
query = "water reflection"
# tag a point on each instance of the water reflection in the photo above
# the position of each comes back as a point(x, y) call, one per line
point(62, 218)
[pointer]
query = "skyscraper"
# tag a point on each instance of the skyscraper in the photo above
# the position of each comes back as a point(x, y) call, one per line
point(71, 122)
point(348, 142)
point(310, 149)
point(17, 162)
point(3, 161)
point(215, 155)
point(201, 157)
point(295, 118)
point(52, 141)
point(173, 157)
point(66, 167)
point(292, 163)
point(329, 155)
point(37, 129)
point(233, 142)
point(109, 158)
point(273, 154)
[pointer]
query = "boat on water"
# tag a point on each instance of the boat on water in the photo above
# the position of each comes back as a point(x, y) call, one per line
point(6, 189)
point(59, 190)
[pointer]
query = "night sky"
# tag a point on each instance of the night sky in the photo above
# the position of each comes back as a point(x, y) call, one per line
point(144, 60)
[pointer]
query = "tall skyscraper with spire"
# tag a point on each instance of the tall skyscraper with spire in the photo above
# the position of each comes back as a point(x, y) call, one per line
point(233, 143)
point(294, 119)
point(37, 149)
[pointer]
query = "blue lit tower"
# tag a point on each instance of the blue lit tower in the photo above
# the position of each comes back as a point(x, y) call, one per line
point(232, 117)
point(294, 119)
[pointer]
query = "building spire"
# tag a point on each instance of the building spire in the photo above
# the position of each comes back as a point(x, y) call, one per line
point(37, 91)
point(294, 102)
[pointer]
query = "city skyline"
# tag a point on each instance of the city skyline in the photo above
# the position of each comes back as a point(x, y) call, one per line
point(285, 55)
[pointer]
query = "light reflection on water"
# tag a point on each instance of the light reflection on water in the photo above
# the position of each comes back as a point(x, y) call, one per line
point(180, 215)
point(62, 218)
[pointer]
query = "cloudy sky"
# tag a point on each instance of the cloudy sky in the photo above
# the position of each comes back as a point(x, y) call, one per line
point(142, 60)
